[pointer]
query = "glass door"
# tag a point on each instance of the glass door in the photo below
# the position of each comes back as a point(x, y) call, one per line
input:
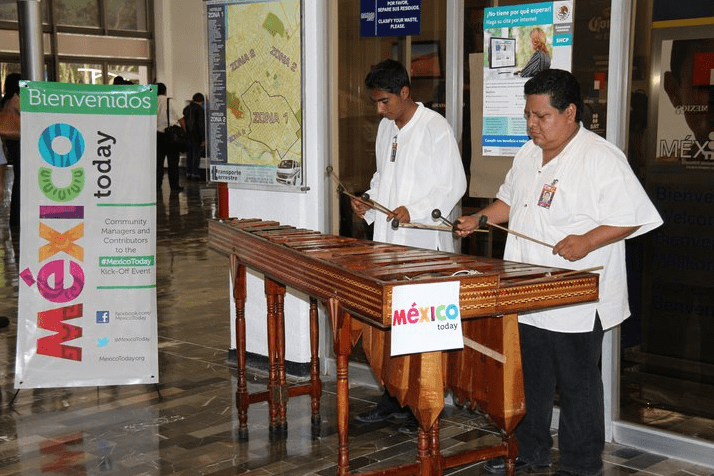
point(666, 365)
point(357, 116)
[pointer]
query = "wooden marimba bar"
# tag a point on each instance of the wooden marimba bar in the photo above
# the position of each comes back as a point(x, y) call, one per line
point(354, 279)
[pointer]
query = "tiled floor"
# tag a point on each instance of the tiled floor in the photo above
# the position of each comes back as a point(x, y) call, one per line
point(188, 425)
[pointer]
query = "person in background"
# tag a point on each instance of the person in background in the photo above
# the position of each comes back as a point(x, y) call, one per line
point(10, 153)
point(10, 107)
point(3, 166)
point(195, 118)
point(540, 59)
point(120, 81)
point(166, 114)
point(419, 169)
point(572, 188)
point(4, 320)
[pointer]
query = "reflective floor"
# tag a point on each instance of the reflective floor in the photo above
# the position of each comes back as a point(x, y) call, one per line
point(188, 424)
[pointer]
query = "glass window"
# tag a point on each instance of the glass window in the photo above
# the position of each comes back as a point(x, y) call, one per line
point(8, 12)
point(77, 12)
point(134, 73)
point(7, 68)
point(667, 365)
point(83, 73)
point(126, 15)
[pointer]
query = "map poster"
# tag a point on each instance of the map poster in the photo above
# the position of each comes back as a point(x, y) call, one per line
point(519, 42)
point(87, 292)
point(255, 107)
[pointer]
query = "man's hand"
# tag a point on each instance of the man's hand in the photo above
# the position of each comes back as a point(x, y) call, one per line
point(572, 247)
point(360, 207)
point(401, 214)
point(466, 225)
point(575, 247)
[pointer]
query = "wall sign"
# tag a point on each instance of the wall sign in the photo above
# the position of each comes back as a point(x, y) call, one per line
point(390, 17)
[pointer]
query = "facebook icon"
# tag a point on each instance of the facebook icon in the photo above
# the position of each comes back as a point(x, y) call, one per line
point(102, 317)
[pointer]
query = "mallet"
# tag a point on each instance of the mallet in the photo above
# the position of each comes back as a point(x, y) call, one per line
point(436, 215)
point(421, 226)
point(364, 198)
point(483, 221)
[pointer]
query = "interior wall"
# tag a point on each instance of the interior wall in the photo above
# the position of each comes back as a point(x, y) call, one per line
point(181, 48)
point(182, 64)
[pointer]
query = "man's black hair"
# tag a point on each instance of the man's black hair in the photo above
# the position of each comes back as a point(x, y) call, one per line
point(198, 97)
point(12, 87)
point(561, 86)
point(388, 75)
point(160, 89)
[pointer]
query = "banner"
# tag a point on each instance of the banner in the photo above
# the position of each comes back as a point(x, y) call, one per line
point(255, 107)
point(426, 317)
point(87, 292)
point(519, 41)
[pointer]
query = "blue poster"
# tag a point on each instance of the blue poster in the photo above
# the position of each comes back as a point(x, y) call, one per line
point(519, 41)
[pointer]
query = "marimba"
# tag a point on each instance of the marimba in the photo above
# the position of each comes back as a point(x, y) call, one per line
point(354, 279)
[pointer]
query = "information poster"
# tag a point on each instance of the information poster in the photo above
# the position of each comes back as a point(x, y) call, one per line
point(87, 288)
point(519, 41)
point(255, 107)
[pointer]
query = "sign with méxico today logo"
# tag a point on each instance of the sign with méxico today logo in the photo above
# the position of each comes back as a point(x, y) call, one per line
point(87, 297)
point(426, 318)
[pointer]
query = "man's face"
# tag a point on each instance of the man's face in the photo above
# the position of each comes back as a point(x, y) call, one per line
point(390, 105)
point(684, 94)
point(547, 127)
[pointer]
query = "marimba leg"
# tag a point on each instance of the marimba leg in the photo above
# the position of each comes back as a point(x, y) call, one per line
point(429, 458)
point(315, 381)
point(512, 444)
point(277, 388)
point(435, 448)
point(340, 320)
point(239, 297)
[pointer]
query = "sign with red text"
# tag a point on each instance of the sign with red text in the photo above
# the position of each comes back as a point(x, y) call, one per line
point(87, 288)
point(426, 317)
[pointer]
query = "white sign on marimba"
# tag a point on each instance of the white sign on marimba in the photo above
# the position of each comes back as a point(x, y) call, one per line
point(426, 318)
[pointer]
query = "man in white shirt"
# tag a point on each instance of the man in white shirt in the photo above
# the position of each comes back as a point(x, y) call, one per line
point(573, 189)
point(419, 169)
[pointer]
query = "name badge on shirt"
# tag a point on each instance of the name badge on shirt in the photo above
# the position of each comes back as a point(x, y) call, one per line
point(546, 195)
